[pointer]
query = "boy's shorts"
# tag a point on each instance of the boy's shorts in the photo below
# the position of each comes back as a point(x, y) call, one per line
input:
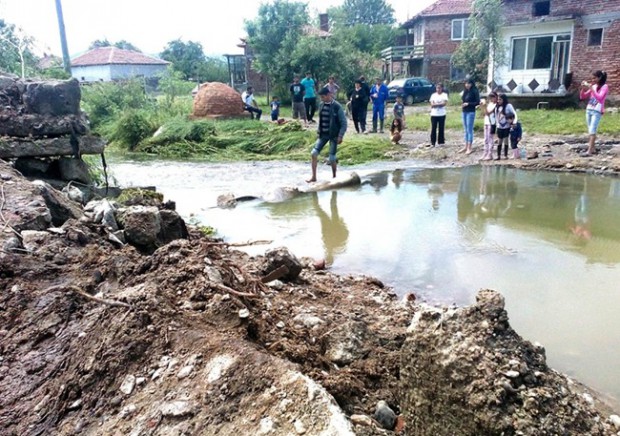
point(320, 143)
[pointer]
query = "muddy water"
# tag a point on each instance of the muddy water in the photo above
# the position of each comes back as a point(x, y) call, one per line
point(549, 242)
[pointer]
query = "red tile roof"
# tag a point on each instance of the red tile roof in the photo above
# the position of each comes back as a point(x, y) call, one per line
point(114, 55)
point(444, 7)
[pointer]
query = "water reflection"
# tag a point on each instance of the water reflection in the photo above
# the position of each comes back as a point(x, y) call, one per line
point(334, 231)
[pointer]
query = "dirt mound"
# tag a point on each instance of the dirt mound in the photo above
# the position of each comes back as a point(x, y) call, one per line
point(97, 338)
point(217, 100)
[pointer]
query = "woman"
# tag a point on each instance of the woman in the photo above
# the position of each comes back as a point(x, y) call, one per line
point(471, 100)
point(359, 100)
point(503, 124)
point(595, 93)
point(438, 102)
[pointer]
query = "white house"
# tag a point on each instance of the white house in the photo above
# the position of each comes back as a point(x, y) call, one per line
point(112, 63)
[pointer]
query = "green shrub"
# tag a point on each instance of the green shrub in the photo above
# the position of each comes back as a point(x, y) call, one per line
point(130, 129)
point(103, 101)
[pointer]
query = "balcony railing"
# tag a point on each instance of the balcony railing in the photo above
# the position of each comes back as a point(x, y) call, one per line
point(403, 52)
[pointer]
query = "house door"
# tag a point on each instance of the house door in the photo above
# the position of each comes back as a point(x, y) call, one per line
point(559, 60)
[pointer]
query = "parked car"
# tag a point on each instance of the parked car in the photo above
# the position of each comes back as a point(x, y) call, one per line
point(412, 89)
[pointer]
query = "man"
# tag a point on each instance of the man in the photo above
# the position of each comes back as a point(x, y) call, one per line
point(378, 94)
point(249, 103)
point(332, 127)
point(297, 95)
point(309, 96)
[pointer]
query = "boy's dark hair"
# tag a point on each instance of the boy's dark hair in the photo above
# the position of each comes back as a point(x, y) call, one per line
point(275, 97)
point(510, 116)
point(249, 88)
point(358, 81)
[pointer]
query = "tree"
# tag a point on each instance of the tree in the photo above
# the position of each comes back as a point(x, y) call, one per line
point(485, 25)
point(123, 44)
point(15, 49)
point(186, 57)
point(274, 35)
point(368, 12)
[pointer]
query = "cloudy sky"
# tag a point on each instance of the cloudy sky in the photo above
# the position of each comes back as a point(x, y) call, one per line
point(149, 25)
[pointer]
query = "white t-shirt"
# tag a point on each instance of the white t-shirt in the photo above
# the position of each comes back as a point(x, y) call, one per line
point(489, 120)
point(438, 99)
point(247, 98)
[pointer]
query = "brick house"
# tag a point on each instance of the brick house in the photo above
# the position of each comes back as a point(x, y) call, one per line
point(552, 45)
point(431, 38)
point(113, 63)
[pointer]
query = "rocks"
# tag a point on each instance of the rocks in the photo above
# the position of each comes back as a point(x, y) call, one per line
point(177, 409)
point(385, 415)
point(281, 256)
point(60, 207)
point(74, 169)
point(346, 343)
point(129, 382)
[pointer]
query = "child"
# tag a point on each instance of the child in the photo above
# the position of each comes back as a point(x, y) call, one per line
point(488, 109)
point(275, 108)
point(515, 135)
point(399, 111)
point(395, 130)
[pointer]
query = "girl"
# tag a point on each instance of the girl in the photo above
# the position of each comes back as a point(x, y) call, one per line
point(489, 125)
point(471, 100)
point(596, 93)
point(502, 109)
point(438, 102)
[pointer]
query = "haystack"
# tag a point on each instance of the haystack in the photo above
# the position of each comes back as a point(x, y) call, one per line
point(217, 100)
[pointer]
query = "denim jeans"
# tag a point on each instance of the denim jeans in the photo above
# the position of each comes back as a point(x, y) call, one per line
point(468, 126)
point(592, 119)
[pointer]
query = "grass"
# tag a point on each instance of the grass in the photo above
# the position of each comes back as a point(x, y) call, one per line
point(234, 140)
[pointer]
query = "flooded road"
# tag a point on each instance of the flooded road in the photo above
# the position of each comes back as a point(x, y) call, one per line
point(549, 242)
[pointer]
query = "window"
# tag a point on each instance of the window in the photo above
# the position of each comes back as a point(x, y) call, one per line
point(532, 53)
point(460, 29)
point(540, 9)
point(595, 37)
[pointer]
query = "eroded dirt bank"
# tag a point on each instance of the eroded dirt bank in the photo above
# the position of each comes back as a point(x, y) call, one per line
point(99, 338)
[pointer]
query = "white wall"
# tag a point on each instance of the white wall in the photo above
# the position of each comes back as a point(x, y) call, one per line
point(96, 73)
point(504, 74)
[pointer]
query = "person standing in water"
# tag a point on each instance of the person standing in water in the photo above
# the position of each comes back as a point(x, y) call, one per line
point(331, 128)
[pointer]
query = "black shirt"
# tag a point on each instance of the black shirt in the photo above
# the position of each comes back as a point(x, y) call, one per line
point(297, 92)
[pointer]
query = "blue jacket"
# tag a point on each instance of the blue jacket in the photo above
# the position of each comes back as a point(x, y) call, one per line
point(382, 94)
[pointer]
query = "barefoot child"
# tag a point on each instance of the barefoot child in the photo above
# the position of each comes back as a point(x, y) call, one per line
point(515, 135)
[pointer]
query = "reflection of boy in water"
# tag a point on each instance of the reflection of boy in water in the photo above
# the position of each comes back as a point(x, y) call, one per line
point(333, 229)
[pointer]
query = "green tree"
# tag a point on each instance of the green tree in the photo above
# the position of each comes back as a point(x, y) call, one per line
point(123, 44)
point(15, 50)
point(186, 57)
point(370, 40)
point(214, 69)
point(274, 35)
point(368, 12)
point(485, 25)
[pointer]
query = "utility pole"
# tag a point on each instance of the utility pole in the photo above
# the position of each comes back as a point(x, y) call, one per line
point(63, 38)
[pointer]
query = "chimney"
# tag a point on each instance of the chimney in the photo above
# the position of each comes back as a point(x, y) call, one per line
point(324, 22)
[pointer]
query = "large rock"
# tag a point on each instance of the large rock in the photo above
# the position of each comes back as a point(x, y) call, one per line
point(217, 100)
point(466, 371)
point(74, 169)
point(60, 207)
point(142, 225)
point(56, 98)
point(281, 256)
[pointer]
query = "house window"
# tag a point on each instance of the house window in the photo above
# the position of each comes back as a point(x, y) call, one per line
point(531, 53)
point(460, 29)
point(540, 9)
point(595, 37)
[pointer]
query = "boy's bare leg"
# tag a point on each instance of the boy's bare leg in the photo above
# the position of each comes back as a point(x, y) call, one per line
point(334, 165)
point(314, 164)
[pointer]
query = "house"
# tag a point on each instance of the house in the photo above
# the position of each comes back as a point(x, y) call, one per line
point(553, 45)
point(240, 70)
point(112, 63)
point(431, 38)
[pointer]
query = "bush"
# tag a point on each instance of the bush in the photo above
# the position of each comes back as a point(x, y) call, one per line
point(104, 101)
point(130, 129)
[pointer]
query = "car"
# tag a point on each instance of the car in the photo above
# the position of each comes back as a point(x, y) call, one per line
point(412, 89)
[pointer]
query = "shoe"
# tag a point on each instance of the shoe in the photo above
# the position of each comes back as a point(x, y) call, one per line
point(381, 131)
point(365, 132)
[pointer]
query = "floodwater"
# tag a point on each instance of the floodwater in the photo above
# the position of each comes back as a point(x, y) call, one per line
point(549, 242)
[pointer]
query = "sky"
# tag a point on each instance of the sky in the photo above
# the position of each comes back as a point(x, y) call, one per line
point(150, 25)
